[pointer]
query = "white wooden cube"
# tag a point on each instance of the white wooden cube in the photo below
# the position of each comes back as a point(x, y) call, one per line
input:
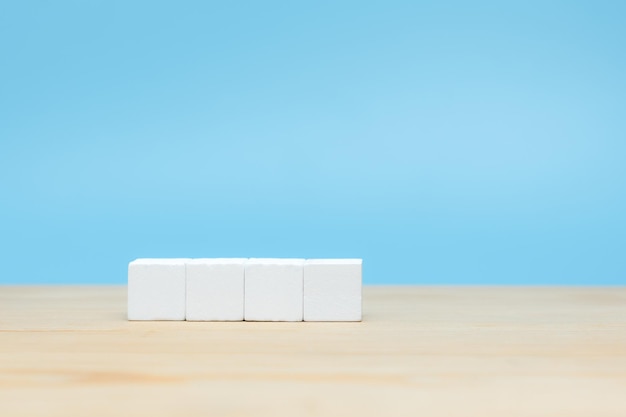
point(156, 289)
point(215, 289)
point(332, 289)
point(273, 290)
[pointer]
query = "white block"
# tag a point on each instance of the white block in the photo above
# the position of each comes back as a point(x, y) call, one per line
point(273, 290)
point(215, 289)
point(156, 289)
point(332, 289)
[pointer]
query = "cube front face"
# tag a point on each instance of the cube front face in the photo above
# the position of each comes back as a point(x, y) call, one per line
point(274, 289)
point(215, 289)
point(156, 289)
point(332, 290)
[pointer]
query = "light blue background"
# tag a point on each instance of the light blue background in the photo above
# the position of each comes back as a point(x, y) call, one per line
point(459, 142)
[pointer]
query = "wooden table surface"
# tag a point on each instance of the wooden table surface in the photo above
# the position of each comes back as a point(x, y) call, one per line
point(420, 351)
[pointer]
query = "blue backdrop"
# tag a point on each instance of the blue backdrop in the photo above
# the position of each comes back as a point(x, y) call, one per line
point(453, 142)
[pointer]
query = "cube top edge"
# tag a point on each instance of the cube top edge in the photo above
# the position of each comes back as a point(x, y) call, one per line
point(217, 261)
point(276, 261)
point(160, 261)
point(237, 261)
point(352, 261)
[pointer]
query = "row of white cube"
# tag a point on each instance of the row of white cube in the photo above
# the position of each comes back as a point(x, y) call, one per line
point(235, 289)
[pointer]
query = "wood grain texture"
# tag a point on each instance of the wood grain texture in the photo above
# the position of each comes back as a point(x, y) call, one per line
point(420, 351)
